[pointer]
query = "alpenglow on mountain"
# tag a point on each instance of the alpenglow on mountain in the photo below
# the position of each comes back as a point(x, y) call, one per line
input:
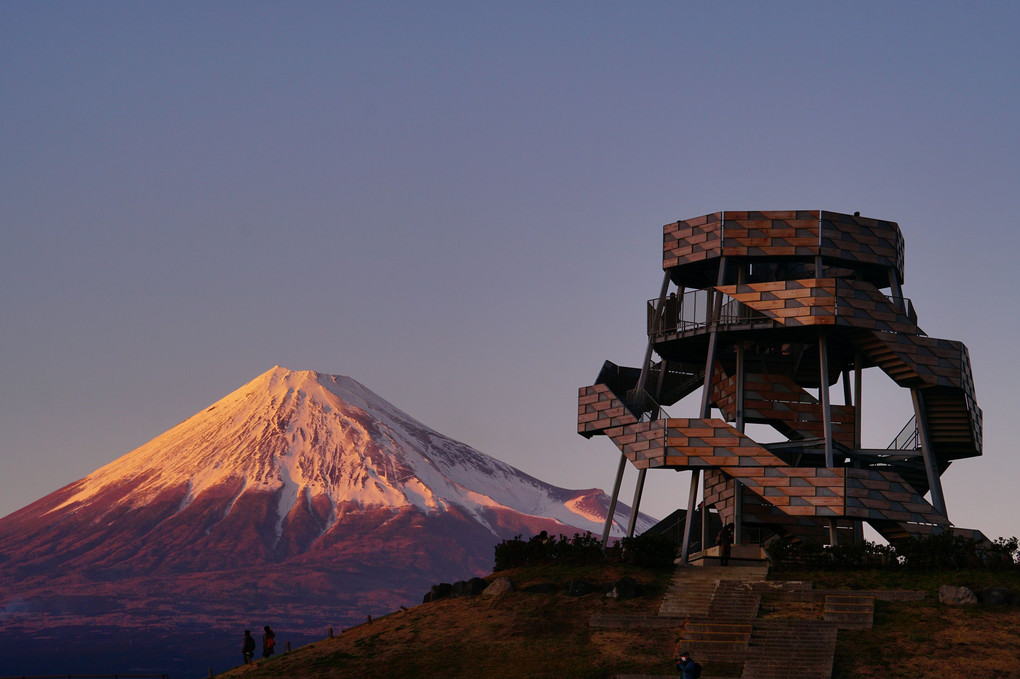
point(301, 498)
point(324, 445)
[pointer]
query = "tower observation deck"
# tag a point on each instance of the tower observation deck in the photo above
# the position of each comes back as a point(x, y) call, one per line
point(774, 316)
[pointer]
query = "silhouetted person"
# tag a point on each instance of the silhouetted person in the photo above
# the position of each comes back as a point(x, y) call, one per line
point(724, 540)
point(268, 642)
point(248, 647)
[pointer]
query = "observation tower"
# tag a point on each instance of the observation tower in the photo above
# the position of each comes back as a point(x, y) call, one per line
point(774, 316)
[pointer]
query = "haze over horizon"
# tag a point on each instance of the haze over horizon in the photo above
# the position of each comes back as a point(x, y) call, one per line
point(461, 205)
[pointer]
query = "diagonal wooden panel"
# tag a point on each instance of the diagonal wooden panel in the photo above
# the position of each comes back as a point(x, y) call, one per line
point(819, 492)
point(778, 401)
point(784, 233)
point(598, 409)
point(692, 240)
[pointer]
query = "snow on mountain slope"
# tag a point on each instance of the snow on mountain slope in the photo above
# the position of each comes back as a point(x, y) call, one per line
point(328, 441)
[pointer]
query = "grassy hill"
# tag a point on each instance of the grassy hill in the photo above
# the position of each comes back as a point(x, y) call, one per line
point(538, 633)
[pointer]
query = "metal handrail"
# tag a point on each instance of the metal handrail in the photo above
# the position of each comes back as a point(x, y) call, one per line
point(693, 310)
point(908, 438)
point(645, 404)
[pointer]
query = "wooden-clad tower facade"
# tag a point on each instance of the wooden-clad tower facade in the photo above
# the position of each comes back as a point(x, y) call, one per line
point(773, 316)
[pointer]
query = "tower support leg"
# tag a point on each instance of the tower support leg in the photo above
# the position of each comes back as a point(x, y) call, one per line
point(612, 501)
point(635, 506)
point(639, 388)
point(931, 469)
point(738, 512)
point(713, 339)
point(692, 499)
point(823, 389)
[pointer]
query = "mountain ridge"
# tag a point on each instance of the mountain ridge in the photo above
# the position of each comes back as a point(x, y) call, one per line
point(298, 453)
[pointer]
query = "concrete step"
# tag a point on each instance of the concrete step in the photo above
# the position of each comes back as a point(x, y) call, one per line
point(748, 573)
point(790, 649)
point(820, 595)
point(660, 676)
point(604, 620)
point(734, 600)
point(693, 591)
point(850, 612)
point(689, 598)
point(716, 641)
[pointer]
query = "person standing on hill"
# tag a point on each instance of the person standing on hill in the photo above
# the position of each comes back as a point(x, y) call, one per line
point(268, 642)
point(248, 647)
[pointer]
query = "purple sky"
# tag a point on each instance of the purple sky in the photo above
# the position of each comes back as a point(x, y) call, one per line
point(461, 205)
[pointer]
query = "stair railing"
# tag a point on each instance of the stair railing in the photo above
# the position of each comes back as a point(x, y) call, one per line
point(693, 311)
point(908, 438)
point(644, 406)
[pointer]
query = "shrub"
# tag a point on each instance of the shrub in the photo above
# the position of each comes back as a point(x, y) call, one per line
point(805, 554)
point(1005, 552)
point(650, 551)
point(935, 552)
point(939, 552)
point(541, 548)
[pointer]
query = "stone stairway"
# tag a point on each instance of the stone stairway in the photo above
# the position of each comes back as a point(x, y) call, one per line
point(722, 641)
point(693, 591)
point(784, 649)
point(719, 625)
point(735, 600)
point(714, 610)
point(688, 599)
point(711, 607)
point(850, 611)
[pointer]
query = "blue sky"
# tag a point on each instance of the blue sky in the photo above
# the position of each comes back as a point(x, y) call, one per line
point(461, 205)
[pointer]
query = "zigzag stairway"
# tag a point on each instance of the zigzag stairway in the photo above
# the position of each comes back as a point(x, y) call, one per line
point(715, 613)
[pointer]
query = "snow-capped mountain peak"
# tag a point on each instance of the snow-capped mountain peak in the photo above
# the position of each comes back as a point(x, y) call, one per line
point(327, 439)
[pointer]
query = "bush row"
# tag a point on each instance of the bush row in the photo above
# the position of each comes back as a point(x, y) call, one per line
point(936, 552)
point(650, 551)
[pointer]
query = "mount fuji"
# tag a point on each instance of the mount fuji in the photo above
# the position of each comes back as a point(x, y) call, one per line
point(301, 500)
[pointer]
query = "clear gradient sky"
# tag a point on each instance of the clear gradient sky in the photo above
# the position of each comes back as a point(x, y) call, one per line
point(461, 205)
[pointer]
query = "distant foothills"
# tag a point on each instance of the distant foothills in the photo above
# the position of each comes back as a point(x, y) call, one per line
point(301, 500)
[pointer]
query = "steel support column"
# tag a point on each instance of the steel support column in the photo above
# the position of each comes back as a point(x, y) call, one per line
point(639, 387)
point(858, 382)
point(704, 523)
point(823, 392)
point(931, 468)
point(897, 290)
point(612, 500)
point(738, 512)
point(638, 489)
point(713, 339)
point(689, 519)
point(740, 388)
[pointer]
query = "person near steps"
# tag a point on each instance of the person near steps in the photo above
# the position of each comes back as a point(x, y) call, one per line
point(725, 540)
